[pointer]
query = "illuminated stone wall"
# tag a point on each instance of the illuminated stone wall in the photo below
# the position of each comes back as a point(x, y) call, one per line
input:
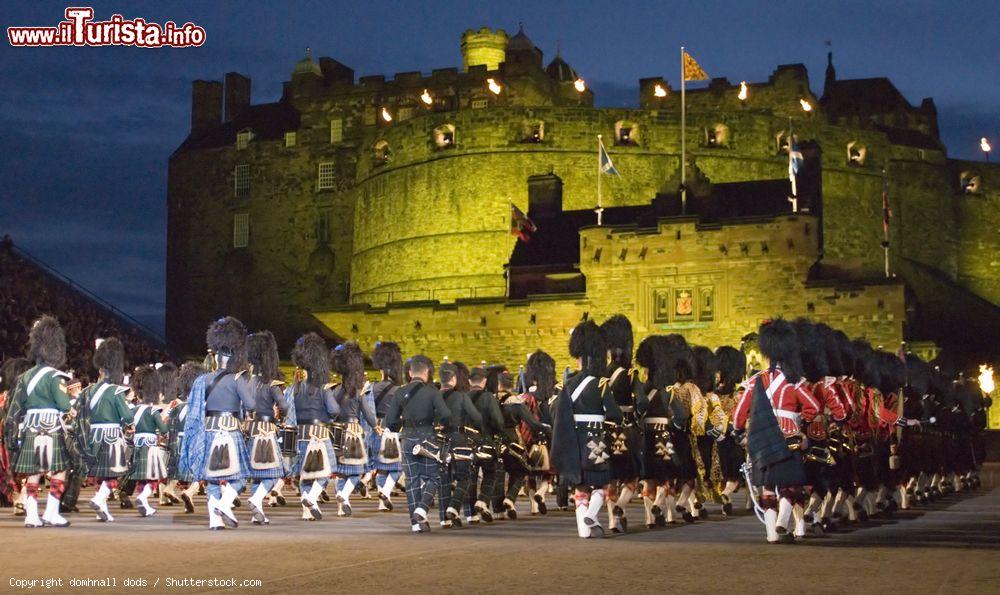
point(712, 285)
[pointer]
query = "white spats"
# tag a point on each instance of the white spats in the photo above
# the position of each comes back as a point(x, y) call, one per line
point(142, 501)
point(31, 512)
point(51, 517)
point(99, 503)
point(256, 505)
point(770, 525)
point(224, 506)
point(214, 518)
point(800, 521)
point(784, 515)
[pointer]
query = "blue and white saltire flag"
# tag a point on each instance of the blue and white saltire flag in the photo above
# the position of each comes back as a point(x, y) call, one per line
point(605, 160)
point(794, 164)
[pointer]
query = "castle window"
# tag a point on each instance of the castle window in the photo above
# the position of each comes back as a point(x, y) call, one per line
point(323, 227)
point(243, 139)
point(241, 230)
point(781, 142)
point(533, 132)
point(856, 153)
point(717, 136)
point(382, 154)
point(404, 113)
point(291, 138)
point(626, 133)
point(369, 116)
point(241, 181)
point(479, 103)
point(444, 136)
point(336, 130)
point(326, 179)
point(970, 183)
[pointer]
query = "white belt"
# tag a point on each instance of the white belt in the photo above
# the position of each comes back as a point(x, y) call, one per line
point(796, 417)
point(145, 436)
point(103, 426)
point(43, 411)
point(627, 408)
point(657, 420)
point(585, 419)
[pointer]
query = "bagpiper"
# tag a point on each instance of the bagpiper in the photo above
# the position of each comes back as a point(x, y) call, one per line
point(149, 459)
point(625, 438)
point(384, 455)
point(186, 376)
point(349, 362)
point(267, 381)
point(104, 407)
point(214, 449)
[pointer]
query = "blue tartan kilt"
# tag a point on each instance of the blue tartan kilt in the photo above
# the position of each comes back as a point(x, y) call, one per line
point(173, 471)
point(374, 462)
point(303, 445)
point(276, 472)
point(417, 466)
point(243, 457)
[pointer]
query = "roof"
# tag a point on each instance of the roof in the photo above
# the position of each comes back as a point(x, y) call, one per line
point(560, 70)
point(268, 121)
point(520, 42)
point(863, 96)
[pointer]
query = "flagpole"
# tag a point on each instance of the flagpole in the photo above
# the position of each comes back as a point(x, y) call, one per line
point(794, 198)
point(885, 219)
point(600, 208)
point(683, 146)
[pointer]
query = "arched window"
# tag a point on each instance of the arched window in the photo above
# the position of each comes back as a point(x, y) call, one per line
point(444, 136)
point(626, 133)
point(381, 152)
point(533, 131)
point(781, 142)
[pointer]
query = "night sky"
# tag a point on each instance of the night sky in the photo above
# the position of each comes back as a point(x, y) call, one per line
point(86, 132)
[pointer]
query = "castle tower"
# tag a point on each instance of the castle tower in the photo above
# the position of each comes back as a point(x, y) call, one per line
point(484, 47)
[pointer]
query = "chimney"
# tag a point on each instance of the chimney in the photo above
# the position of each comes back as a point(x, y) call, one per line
point(237, 94)
point(544, 195)
point(206, 105)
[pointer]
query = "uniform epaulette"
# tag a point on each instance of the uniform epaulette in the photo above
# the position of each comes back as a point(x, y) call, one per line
point(240, 373)
point(121, 389)
point(60, 373)
point(277, 383)
point(330, 386)
point(603, 382)
point(558, 387)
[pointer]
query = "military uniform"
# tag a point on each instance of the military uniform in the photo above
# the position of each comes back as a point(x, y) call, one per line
point(487, 452)
point(314, 409)
point(41, 395)
point(384, 450)
point(107, 414)
point(514, 451)
point(354, 454)
point(149, 459)
point(464, 424)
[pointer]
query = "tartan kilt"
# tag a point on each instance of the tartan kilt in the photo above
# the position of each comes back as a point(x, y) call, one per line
point(417, 465)
point(143, 469)
point(173, 469)
point(355, 449)
point(28, 464)
point(110, 453)
point(243, 457)
point(303, 445)
point(374, 443)
point(276, 472)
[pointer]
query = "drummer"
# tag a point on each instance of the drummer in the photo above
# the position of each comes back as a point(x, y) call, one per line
point(266, 464)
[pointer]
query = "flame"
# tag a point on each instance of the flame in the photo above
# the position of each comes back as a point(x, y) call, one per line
point(494, 86)
point(386, 115)
point(659, 91)
point(806, 106)
point(426, 97)
point(743, 91)
point(986, 379)
point(984, 144)
point(580, 85)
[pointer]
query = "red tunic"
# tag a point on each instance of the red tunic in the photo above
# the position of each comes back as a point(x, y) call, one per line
point(792, 403)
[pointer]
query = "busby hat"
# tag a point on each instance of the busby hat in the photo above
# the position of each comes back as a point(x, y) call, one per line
point(812, 350)
point(262, 354)
point(146, 384)
point(706, 365)
point(168, 379)
point(349, 362)
point(732, 368)
point(47, 342)
point(587, 343)
point(779, 343)
point(618, 335)
point(189, 372)
point(389, 360)
point(312, 355)
point(109, 359)
point(227, 337)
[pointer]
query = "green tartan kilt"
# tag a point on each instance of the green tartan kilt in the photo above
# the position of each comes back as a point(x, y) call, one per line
point(149, 463)
point(30, 462)
point(111, 454)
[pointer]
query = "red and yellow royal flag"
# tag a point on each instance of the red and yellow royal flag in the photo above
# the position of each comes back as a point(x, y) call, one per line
point(692, 71)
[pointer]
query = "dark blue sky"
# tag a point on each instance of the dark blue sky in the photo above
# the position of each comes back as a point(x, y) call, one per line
point(86, 132)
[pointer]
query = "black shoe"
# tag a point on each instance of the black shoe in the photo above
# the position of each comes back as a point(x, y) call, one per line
point(828, 525)
point(188, 504)
point(863, 516)
point(817, 529)
point(596, 531)
point(324, 497)
point(688, 517)
point(125, 502)
point(727, 509)
point(786, 538)
point(385, 501)
point(237, 503)
point(542, 509)
point(703, 514)
point(511, 513)
point(661, 521)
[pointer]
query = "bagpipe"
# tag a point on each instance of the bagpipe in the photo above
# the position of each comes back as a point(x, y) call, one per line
point(435, 448)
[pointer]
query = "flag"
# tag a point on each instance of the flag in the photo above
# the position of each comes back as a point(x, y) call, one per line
point(605, 160)
point(886, 210)
point(520, 225)
point(692, 71)
point(794, 163)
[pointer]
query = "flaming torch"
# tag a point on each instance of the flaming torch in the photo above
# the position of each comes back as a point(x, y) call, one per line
point(426, 97)
point(659, 91)
point(580, 85)
point(386, 115)
point(806, 106)
point(984, 144)
point(495, 87)
point(743, 91)
point(986, 379)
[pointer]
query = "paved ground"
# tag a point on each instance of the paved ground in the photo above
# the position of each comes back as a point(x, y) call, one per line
point(953, 545)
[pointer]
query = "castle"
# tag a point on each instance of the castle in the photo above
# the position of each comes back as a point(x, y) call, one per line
point(380, 209)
